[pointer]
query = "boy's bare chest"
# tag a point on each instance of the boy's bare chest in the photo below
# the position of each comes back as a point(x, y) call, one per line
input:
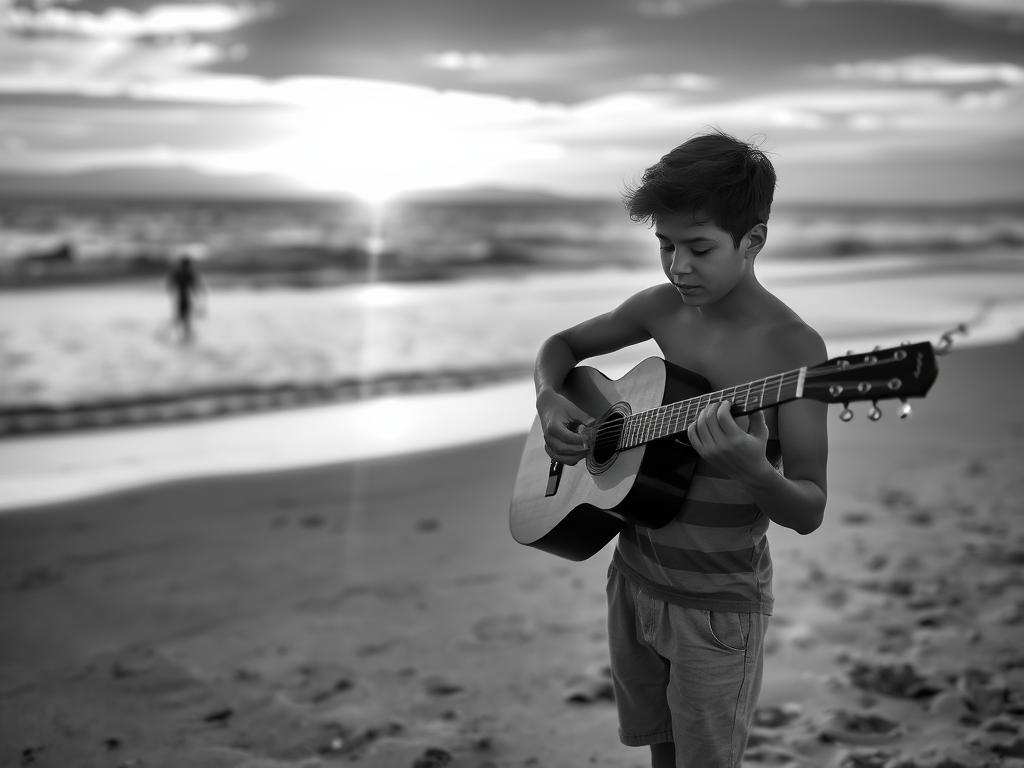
point(724, 359)
point(723, 362)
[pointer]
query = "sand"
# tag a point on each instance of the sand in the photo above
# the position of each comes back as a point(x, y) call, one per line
point(377, 613)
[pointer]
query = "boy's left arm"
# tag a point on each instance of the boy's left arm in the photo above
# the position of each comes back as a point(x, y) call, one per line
point(794, 497)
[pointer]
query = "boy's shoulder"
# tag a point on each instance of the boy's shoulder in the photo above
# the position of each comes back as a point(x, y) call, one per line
point(788, 336)
point(659, 299)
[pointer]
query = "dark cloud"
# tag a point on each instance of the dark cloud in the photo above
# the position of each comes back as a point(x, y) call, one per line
point(568, 51)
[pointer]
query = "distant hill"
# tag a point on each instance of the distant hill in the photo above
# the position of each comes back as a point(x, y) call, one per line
point(181, 182)
point(486, 195)
point(148, 182)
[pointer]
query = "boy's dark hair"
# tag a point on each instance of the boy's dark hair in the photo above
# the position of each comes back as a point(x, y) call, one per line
point(715, 174)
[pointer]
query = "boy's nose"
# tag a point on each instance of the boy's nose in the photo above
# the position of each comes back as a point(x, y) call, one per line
point(680, 265)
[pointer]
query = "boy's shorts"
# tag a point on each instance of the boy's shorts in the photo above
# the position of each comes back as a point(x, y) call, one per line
point(684, 675)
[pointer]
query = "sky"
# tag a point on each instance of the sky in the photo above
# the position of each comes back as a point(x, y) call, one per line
point(883, 101)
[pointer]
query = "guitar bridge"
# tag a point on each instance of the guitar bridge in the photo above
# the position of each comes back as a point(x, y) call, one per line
point(554, 475)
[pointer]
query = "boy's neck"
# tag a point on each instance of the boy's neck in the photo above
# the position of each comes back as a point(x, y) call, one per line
point(743, 305)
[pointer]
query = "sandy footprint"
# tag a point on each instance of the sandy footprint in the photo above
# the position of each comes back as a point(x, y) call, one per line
point(593, 685)
point(507, 629)
point(863, 728)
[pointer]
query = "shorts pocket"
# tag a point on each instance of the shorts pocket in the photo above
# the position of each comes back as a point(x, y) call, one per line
point(728, 630)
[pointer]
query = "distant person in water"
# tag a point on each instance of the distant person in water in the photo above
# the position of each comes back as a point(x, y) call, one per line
point(184, 284)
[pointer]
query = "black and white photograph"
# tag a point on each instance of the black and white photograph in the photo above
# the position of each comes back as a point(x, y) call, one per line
point(488, 384)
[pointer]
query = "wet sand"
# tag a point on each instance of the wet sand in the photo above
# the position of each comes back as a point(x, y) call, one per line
point(377, 613)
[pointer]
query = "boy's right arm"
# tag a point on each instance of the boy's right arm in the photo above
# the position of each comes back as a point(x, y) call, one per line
point(560, 418)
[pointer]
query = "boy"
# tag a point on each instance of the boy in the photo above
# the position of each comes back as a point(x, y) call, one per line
point(688, 604)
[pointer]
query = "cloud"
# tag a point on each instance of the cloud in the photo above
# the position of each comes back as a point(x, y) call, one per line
point(118, 22)
point(683, 81)
point(932, 70)
point(353, 134)
point(55, 49)
point(90, 67)
point(999, 7)
point(148, 86)
point(672, 8)
point(458, 60)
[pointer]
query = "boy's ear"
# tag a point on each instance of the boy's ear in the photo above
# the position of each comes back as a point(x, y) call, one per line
point(755, 240)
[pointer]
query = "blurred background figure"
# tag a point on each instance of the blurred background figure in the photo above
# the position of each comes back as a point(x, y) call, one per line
point(185, 287)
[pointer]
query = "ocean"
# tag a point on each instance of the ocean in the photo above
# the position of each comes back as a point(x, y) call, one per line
point(326, 301)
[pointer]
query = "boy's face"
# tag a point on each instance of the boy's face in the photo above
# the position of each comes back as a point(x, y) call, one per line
point(700, 259)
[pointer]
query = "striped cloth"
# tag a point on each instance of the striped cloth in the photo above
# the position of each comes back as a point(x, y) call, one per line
point(712, 555)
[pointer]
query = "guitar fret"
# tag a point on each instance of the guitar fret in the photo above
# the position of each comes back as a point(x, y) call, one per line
point(675, 418)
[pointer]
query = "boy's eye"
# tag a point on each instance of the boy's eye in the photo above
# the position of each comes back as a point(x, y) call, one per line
point(666, 247)
point(701, 253)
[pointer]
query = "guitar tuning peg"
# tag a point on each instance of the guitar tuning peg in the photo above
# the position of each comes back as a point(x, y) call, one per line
point(846, 414)
point(875, 413)
point(905, 409)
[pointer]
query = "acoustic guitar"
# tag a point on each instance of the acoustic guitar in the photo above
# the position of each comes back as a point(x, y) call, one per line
point(640, 463)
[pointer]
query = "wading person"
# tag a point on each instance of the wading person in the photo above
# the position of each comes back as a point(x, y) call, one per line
point(184, 285)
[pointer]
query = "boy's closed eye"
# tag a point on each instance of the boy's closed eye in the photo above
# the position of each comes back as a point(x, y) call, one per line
point(697, 250)
point(694, 251)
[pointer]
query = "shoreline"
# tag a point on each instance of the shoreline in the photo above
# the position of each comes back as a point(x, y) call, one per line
point(41, 470)
point(56, 468)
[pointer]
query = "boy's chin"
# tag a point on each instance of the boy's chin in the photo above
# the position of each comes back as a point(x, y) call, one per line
point(692, 297)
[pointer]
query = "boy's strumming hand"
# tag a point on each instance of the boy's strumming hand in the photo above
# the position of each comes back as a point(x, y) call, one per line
point(563, 425)
point(738, 451)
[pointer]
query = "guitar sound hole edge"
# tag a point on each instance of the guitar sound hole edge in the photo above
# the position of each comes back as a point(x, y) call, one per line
point(606, 448)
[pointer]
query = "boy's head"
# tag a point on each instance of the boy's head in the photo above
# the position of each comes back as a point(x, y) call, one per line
point(728, 180)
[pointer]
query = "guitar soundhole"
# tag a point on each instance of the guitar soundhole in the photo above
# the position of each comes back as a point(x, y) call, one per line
point(606, 446)
point(608, 438)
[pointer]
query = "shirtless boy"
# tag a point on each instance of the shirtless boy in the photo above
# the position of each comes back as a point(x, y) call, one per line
point(689, 603)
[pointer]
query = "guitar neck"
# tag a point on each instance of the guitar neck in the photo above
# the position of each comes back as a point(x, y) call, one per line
point(667, 420)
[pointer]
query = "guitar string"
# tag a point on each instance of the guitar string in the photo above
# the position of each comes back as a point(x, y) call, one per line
point(673, 410)
point(816, 372)
point(607, 434)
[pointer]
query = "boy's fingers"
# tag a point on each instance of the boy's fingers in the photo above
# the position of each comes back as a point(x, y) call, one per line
point(726, 421)
point(758, 426)
point(703, 429)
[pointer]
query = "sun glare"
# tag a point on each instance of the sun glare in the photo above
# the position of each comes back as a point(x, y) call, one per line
point(378, 296)
point(376, 152)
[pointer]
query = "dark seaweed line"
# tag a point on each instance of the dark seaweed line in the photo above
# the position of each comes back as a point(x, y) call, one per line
point(232, 399)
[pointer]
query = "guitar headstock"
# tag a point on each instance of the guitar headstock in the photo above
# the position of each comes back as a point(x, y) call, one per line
point(897, 372)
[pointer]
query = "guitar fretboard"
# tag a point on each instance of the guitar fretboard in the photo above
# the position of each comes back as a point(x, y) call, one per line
point(671, 419)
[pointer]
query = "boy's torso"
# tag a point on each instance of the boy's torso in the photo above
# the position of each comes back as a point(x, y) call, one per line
point(724, 354)
point(714, 554)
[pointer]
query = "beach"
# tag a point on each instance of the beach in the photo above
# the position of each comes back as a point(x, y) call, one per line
point(376, 612)
point(287, 543)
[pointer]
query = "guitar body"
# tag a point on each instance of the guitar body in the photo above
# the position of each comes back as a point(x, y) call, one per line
point(574, 511)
